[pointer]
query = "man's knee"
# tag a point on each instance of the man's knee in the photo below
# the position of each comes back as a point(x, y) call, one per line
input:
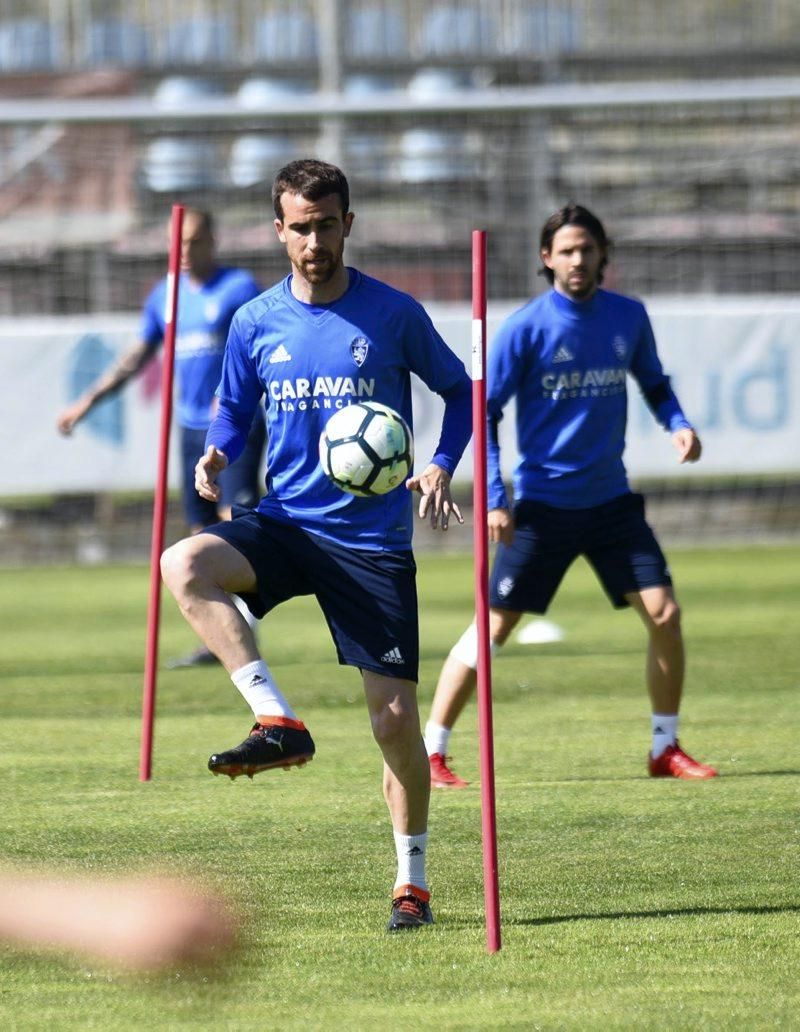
point(666, 616)
point(394, 726)
point(501, 624)
point(181, 565)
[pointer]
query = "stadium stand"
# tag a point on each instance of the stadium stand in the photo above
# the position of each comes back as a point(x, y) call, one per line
point(28, 44)
point(467, 30)
point(117, 43)
point(374, 33)
point(200, 40)
point(285, 34)
point(671, 179)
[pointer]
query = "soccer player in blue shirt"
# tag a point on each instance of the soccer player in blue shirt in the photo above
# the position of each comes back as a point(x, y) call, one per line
point(208, 296)
point(325, 336)
point(566, 356)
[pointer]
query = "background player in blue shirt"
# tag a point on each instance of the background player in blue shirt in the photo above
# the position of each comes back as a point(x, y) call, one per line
point(208, 296)
point(325, 336)
point(566, 356)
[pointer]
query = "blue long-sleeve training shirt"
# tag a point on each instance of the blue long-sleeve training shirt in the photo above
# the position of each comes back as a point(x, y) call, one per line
point(566, 364)
point(204, 317)
point(310, 360)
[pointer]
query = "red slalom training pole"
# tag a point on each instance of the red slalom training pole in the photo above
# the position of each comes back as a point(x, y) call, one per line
point(491, 890)
point(160, 503)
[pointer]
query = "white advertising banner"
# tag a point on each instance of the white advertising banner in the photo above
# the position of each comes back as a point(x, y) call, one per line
point(735, 366)
point(46, 363)
point(734, 363)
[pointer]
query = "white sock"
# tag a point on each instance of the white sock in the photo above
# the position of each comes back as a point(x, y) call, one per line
point(241, 605)
point(665, 732)
point(436, 738)
point(411, 860)
point(263, 696)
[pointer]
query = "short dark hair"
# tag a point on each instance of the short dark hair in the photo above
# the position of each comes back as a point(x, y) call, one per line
point(203, 216)
point(574, 215)
point(311, 179)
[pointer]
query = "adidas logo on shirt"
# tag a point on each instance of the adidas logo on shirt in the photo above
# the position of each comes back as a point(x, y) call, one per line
point(562, 355)
point(280, 354)
point(392, 656)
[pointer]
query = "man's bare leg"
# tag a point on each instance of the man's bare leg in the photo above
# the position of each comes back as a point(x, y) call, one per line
point(664, 674)
point(456, 685)
point(393, 711)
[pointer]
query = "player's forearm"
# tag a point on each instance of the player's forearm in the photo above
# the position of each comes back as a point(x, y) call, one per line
point(229, 429)
point(128, 366)
point(497, 497)
point(663, 403)
point(108, 384)
point(456, 426)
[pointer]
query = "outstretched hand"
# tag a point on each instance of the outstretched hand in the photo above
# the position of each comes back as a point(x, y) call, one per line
point(206, 472)
point(687, 444)
point(433, 483)
point(71, 415)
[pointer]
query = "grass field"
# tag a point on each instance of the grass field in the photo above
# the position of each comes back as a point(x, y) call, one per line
point(626, 902)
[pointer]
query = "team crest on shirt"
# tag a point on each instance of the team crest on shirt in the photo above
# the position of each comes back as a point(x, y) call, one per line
point(359, 346)
point(620, 346)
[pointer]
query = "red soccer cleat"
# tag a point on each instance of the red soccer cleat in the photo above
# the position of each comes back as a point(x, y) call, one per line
point(442, 776)
point(675, 763)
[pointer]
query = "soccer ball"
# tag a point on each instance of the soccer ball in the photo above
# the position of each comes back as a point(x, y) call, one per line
point(366, 449)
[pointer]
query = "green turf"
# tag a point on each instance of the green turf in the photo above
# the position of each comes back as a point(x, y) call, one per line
point(626, 903)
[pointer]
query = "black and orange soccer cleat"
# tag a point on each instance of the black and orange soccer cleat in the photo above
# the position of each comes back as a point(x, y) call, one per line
point(675, 763)
point(267, 746)
point(409, 910)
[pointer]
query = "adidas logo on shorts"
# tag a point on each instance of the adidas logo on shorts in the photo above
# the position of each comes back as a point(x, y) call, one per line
point(392, 656)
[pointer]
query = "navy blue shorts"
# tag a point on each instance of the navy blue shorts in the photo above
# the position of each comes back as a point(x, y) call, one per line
point(240, 482)
point(369, 599)
point(615, 538)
